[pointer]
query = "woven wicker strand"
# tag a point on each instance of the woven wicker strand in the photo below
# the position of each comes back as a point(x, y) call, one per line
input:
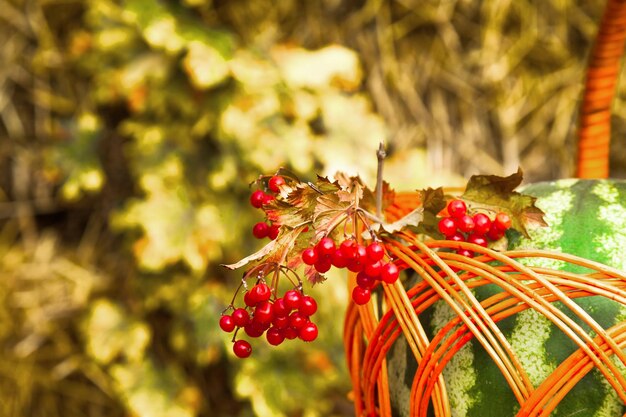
point(548, 286)
point(602, 75)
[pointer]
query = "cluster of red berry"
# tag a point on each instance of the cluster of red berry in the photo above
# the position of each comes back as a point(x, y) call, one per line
point(286, 317)
point(258, 199)
point(366, 261)
point(478, 229)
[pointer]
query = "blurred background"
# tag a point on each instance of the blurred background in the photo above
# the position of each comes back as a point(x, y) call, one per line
point(130, 131)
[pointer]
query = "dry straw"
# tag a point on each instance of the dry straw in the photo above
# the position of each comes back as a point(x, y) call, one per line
point(369, 334)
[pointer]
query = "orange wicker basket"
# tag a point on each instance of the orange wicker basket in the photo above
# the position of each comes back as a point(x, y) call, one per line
point(372, 329)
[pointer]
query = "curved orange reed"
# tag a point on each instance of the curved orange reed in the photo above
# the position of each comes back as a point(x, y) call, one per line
point(371, 330)
point(602, 75)
point(369, 334)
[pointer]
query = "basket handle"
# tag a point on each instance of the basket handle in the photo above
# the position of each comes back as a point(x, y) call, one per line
point(602, 75)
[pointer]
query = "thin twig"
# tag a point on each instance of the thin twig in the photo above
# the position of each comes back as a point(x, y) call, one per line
point(380, 155)
point(371, 217)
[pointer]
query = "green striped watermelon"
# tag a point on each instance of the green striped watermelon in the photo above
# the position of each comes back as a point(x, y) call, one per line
point(587, 218)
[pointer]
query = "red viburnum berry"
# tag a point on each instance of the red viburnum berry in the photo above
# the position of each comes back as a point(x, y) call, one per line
point(274, 336)
point(297, 320)
point(242, 349)
point(323, 265)
point(389, 273)
point(280, 308)
point(348, 248)
point(241, 317)
point(292, 299)
point(227, 323)
point(248, 299)
point(375, 251)
point(308, 332)
point(275, 182)
point(494, 232)
point(309, 256)
point(254, 329)
point(280, 322)
point(457, 237)
point(290, 333)
point(308, 306)
point(373, 269)
point(465, 252)
point(260, 292)
point(325, 247)
point(267, 198)
point(457, 208)
point(465, 223)
point(257, 199)
point(482, 223)
point(260, 230)
point(355, 265)
point(359, 261)
point(447, 226)
point(361, 295)
point(273, 231)
point(263, 312)
point(339, 260)
point(364, 280)
point(502, 221)
point(361, 254)
point(477, 239)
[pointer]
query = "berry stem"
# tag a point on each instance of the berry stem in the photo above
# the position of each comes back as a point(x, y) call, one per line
point(355, 219)
point(285, 270)
point(314, 187)
point(380, 155)
point(234, 338)
point(232, 302)
point(341, 216)
point(366, 223)
point(367, 214)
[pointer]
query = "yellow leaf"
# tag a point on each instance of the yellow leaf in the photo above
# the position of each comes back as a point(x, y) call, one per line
point(205, 65)
point(330, 66)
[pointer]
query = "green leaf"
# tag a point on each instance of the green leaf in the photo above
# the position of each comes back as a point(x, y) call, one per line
point(111, 333)
point(433, 201)
point(176, 229)
point(494, 194)
point(412, 219)
point(152, 390)
point(205, 65)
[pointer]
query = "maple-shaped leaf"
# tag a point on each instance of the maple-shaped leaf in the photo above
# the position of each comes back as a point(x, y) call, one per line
point(312, 276)
point(276, 251)
point(254, 257)
point(423, 217)
point(298, 206)
point(331, 210)
point(412, 219)
point(433, 201)
point(369, 198)
point(351, 188)
point(495, 193)
point(289, 249)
